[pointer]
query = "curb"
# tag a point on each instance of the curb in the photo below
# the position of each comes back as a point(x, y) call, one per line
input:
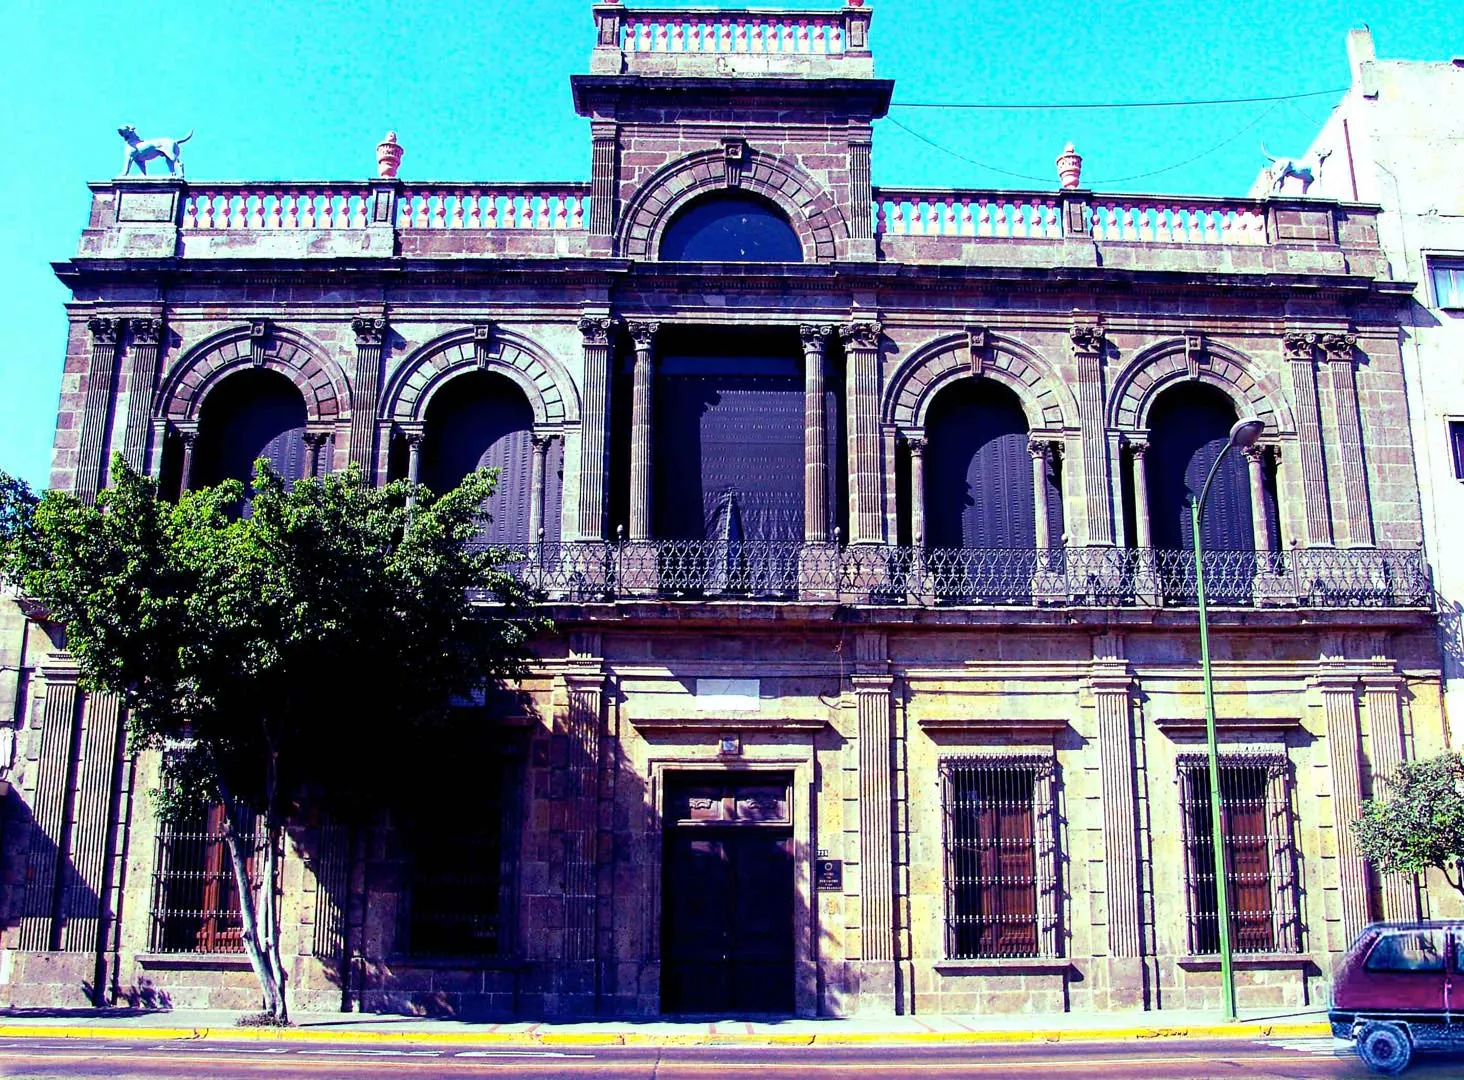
point(609, 1038)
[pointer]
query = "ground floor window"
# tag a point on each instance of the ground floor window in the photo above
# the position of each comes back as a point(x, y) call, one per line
point(463, 856)
point(1260, 855)
point(195, 905)
point(1000, 857)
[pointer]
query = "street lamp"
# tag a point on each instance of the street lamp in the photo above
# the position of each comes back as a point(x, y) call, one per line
point(1243, 434)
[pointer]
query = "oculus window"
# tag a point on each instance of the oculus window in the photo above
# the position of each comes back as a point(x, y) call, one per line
point(731, 227)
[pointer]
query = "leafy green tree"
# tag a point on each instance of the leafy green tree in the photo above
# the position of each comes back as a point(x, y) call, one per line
point(1421, 824)
point(276, 657)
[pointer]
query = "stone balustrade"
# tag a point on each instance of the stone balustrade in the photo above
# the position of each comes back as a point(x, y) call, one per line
point(498, 207)
point(689, 30)
point(913, 212)
point(1120, 218)
point(276, 206)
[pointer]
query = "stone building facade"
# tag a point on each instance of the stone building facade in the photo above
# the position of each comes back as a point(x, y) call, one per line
point(860, 513)
point(1395, 139)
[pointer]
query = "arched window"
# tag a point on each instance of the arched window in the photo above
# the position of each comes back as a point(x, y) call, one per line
point(1188, 427)
point(248, 415)
point(978, 471)
point(731, 227)
point(482, 420)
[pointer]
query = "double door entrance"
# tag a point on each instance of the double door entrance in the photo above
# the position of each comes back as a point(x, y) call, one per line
point(727, 908)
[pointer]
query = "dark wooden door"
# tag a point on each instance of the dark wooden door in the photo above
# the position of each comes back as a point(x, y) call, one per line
point(727, 908)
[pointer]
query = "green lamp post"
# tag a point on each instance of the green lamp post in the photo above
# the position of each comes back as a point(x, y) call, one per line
point(1244, 433)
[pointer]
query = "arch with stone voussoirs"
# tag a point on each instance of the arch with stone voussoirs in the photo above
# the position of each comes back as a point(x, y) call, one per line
point(938, 363)
point(543, 379)
point(812, 213)
point(296, 356)
point(1164, 364)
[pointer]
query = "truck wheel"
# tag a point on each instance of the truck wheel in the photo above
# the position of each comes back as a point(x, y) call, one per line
point(1385, 1048)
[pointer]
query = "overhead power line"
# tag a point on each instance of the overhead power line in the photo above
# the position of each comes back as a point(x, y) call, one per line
point(1106, 180)
point(1115, 104)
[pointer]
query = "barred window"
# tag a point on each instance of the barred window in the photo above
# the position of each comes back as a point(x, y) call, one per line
point(195, 904)
point(1260, 855)
point(1000, 855)
point(464, 847)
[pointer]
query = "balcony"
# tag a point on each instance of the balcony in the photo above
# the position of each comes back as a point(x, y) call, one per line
point(708, 570)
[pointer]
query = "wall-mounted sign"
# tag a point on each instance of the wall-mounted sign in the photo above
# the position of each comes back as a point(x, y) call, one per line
point(828, 875)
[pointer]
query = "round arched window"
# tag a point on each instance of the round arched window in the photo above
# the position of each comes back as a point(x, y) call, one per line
point(731, 227)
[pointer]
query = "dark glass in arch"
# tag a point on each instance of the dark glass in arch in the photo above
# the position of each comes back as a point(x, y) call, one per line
point(731, 227)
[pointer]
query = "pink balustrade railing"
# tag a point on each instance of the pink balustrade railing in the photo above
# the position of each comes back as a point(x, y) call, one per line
point(1176, 221)
point(499, 207)
point(1109, 218)
point(918, 213)
point(779, 33)
point(343, 206)
point(278, 206)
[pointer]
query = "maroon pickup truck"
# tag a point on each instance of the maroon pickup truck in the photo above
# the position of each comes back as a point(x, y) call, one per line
point(1400, 988)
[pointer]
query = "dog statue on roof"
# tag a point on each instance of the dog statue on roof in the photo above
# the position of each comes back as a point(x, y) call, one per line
point(1307, 169)
point(140, 151)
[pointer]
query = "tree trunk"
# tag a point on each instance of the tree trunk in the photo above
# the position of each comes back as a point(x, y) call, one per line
point(255, 946)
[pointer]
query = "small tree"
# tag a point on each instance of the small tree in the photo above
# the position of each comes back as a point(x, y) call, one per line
point(278, 656)
point(1421, 825)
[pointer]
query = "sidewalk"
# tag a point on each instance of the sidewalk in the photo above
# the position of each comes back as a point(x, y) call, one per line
point(371, 1028)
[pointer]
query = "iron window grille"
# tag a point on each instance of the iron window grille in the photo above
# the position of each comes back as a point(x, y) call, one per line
point(195, 906)
point(1260, 854)
point(463, 864)
point(1001, 887)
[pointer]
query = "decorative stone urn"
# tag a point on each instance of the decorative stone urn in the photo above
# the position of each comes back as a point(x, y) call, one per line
point(388, 156)
point(1069, 167)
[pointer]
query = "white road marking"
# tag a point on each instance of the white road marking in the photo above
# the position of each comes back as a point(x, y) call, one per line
point(1321, 1045)
point(372, 1053)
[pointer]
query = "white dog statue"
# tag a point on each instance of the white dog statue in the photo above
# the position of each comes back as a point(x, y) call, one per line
point(141, 151)
point(1307, 169)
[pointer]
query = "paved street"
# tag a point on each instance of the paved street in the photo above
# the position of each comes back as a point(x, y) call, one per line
point(41, 1059)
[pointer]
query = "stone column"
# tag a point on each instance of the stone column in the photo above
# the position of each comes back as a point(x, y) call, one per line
point(1089, 342)
point(142, 373)
point(536, 487)
point(872, 692)
point(370, 331)
point(917, 492)
point(91, 452)
point(315, 442)
point(861, 397)
point(187, 435)
point(578, 730)
point(1144, 537)
point(643, 334)
point(1383, 695)
point(1112, 686)
point(1298, 348)
point(815, 445)
point(1338, 350)
point(53, 784)
point(91, 829)
point(594, 426)
point(1255, 460)
point(1041, 451)
point(159, 443)
point(1339, 701)
point(414, 437)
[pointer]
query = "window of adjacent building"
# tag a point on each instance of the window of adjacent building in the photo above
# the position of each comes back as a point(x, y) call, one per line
point(1448, 282)
point(1456, 446)
point(1260, 873)
point(1416, 950)
point(731, 227)
point(195, 904)
point(1000, 858)
point(463, 845)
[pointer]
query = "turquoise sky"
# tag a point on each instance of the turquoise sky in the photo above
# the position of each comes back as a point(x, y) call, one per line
point(481, 91)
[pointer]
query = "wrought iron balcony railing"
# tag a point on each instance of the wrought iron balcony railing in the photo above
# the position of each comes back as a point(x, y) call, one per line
point(590, 572)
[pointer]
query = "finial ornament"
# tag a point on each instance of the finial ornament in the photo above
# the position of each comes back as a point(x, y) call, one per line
point(1069, 167)
point(389, 156)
